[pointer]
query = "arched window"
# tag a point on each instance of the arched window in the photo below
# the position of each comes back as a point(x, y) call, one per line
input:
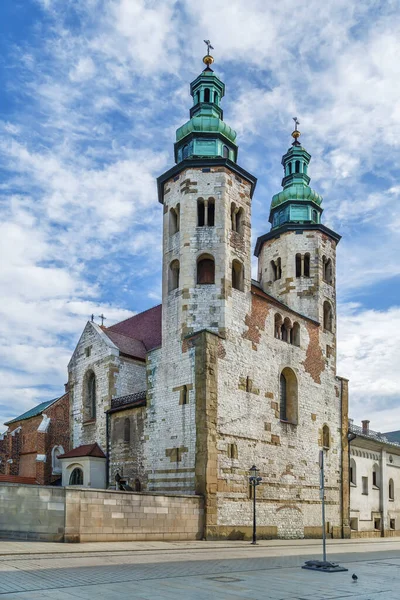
point(127, 430)
point(210, 212)
point(307, 265)
point(353, 472)
point(173, 275)
point(286, 330)
point(55, 462)
point(237, 276)
point(185, 151)
point(290, 168)
point(200, 213)
point(297, 166)
point(315, 216)
point(76, 477)
point(184, 399)
point(90, 396)
point(278, 326)
point(205, 270)
point(375, 476)
point(327, 269)
point(296, 334)
point(288, 395)
point(225, 152)
point(216, 97)
point(328, 316)
point(138, 485)
point(239, 221)
point(391, 489)
point(326, 437)
point(298, 265)
point(206, 95)
point(276, 271)
point(173, 221)
point(197, 97)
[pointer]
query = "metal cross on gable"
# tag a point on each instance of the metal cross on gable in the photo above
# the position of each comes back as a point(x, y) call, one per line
point(103, 318)
point(209, 47)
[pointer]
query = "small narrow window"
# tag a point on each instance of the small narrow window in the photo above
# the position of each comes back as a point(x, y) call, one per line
point(377, 523)
point(211, 212)
point(173, 221)
point(274, 270)
point(297, 166)
point(237, 276)
point(225, 152)
point(353, 472)
point(354, 524)
point(249, 384)
point(173, 276)
point(298, 265)
point(296, 334)
point(290, 168)
point(326, 442)
point(288, 395)
point(307, 265)
point(283, 392)
point(127, 430)
point(315, 216)
point(328, 316)
point(215, 97)
point(392, 523)
point(239, 221)
point(232, 451)
point(327, 270)
point(279, 268)
point(197, 98)
point(185, 152)
point(278, 326)
point(391, 490)
point(364, 482)
point(137, 485)
point(206, 95)
point(200, 213)
point(91, 396)
point(206, 271)
point(184, 399)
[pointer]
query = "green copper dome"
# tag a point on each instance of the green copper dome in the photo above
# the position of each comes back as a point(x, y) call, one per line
point(297, 202)
point(206, 135)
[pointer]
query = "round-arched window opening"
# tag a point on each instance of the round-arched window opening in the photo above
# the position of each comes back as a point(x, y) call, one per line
point(76, 477)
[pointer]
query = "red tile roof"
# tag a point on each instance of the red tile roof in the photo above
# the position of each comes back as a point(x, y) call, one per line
point(144, 327)
point(85, 450)
point(127, 345)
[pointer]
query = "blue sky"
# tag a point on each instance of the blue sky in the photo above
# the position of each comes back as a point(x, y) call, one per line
point(92, 93)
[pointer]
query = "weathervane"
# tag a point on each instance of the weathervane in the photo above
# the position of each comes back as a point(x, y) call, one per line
point(209, 47)
point(296, 133)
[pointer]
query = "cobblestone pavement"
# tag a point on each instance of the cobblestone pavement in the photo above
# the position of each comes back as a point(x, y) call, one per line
point(216, 572)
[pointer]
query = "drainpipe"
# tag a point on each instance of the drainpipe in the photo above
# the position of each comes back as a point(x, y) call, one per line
point(350, 437)
point(107, 451)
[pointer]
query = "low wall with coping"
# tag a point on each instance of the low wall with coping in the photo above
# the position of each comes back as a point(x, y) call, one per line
point(73, 514)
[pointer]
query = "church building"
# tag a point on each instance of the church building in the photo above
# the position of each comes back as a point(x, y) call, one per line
point(228, 371)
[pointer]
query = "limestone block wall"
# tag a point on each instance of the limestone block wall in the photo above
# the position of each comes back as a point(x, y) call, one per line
point(118, 516)
point(303, 294)
point(115, 376)
point(249, 430)
point(127, 455)
point(32, 512)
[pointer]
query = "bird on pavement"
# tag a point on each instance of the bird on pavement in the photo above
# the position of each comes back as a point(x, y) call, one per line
point(354, 578)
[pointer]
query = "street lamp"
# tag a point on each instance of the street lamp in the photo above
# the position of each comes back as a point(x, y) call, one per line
point(254, 480)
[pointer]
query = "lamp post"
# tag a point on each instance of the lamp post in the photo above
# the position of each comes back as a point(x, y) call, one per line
point(254, 480)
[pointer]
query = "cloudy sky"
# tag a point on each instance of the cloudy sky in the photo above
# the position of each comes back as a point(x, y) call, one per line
point(92, 92)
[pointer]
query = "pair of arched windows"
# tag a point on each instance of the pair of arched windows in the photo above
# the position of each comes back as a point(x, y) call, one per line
point(286, 330)
point(89, 396)
point(288, 396)
point(276, 269)
point(174, 220)
point(328, 316)
point(205, 272)
point(327, 271)
point(237, 218)
point(206, 212)
point(303, 265)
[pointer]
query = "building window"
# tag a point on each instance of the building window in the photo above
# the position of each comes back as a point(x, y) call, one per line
point(306, 265)
point(315, 216)
point(237, 219)
point(298, 265)
point(90, 400)
point(278, 326)
point(184, 395)
point(276, 270)
point(76, 477)
point(237, 276)
point(197, 98)
point(88, 351)
point(296, 334)
point(232, 451)
point(173, 276)
point(328, 316)
point(353, 472)
point(174, 220)
point(288, 395)
point(354, 524)
point(297, 166)
point(225, 152)
point(375, 476)
point(377, 523)
point(137, 485)
point(326, 441)
point(206, 95)
point(303, 265)
point(185, 151)
point(210, 212)
point(364, 482)
point(392, 523)
point(200, 213)
point(327, 270)
point(127, 430)
point(56, 463)
point(205, 212)
point(205, 270)
point(391, 490)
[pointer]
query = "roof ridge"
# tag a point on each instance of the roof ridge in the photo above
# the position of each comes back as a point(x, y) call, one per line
point(137, 314)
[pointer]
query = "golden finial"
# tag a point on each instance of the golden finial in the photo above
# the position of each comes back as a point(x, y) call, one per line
point(296, 133)
point(208, 59)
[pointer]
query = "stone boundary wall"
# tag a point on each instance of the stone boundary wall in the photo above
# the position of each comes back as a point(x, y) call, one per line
point(73, 514)
point(32, 512)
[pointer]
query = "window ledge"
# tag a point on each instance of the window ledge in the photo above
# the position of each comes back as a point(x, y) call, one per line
point(89, 422)
point(375, 487)
point(353, 485)
point(391, 499)
point(287, 422)
point(364, 493)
